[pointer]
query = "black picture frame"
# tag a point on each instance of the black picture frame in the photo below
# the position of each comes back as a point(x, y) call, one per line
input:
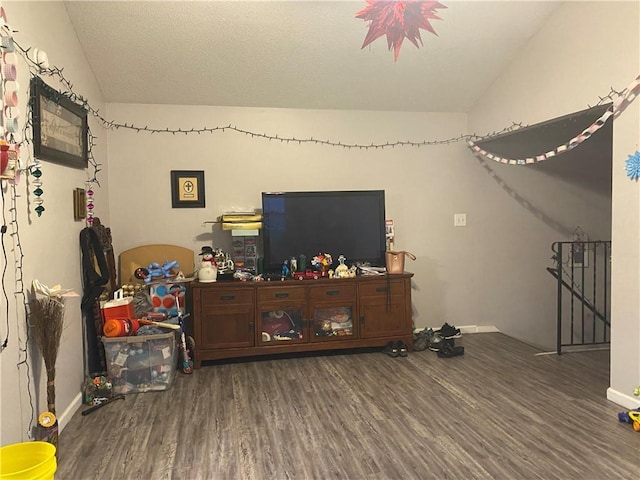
point(187, 189)
point(60, 127)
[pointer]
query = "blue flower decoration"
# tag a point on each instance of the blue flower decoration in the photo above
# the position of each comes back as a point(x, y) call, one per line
point(632, 165)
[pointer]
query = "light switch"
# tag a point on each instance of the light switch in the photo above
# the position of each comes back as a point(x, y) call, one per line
point(459, 219)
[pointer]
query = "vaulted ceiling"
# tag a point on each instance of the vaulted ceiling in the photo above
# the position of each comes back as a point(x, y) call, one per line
point(297, 54)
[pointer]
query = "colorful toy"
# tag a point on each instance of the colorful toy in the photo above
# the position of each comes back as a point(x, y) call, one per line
point(631, 417)
point(187, 361)
point(186, 350)
point(306, 275)
point(322, 262)
point(154, 271)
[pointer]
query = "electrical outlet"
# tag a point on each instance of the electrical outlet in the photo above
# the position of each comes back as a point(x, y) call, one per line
point(459, 219)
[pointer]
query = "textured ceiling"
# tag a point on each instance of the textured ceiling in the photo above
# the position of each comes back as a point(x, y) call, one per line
point(297, 54)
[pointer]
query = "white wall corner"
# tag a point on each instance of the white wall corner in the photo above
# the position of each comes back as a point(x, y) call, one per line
point(69, 411)
point(624, 400)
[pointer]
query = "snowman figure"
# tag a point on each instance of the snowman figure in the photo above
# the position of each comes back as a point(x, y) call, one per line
point(208, 271)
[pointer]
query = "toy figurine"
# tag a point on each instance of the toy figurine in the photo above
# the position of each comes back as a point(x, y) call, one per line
point(208, 271)
point(342, 271)
point(207, 256)
point(285, 269)
point(322, 262)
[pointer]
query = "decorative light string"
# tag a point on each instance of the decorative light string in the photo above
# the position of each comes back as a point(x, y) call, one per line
point(620, 100)
point(10, 171)
point(38, 63)
point(23, 343)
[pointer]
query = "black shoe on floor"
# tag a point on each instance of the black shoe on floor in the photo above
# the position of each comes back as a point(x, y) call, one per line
point(391, 349)
point(449, 350)
point(402, 349)
point(449, 331)
point(436, 342)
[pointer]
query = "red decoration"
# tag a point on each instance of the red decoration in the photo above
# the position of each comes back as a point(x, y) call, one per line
point(397, 20)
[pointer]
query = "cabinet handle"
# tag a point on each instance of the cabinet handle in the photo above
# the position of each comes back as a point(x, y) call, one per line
point(381, 289)
point(227, 297)
point(333, 292)
point(361, 319)
point(282, 295)
point(251, 325)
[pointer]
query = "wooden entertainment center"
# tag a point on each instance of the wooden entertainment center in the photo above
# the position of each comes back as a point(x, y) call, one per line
point(241, 319)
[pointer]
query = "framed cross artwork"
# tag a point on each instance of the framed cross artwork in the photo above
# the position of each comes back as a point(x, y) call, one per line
point(187, 189)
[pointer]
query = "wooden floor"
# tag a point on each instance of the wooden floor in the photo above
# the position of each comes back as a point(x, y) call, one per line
point(497, 412)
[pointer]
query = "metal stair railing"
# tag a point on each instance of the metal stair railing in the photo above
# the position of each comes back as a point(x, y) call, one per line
point(583, 281)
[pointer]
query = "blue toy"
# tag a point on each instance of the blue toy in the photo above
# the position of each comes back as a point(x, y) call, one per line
point(154, 270)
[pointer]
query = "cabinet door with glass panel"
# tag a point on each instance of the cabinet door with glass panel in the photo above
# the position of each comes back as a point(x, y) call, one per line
point(282, 315)
point(332, 311)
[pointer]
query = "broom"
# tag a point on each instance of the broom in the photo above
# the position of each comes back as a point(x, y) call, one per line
point(47, 318)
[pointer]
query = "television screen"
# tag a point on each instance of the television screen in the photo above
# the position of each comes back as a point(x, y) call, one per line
point(349, 223)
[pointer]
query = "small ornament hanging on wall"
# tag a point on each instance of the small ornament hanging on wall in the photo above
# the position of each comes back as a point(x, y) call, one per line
point(632, 166)
point(36, 182)
point(90, 205)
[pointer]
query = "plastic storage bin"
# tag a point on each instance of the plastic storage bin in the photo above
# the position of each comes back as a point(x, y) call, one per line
point(141, 363)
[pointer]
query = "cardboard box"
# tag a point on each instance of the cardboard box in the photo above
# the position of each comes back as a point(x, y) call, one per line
point(141, 363)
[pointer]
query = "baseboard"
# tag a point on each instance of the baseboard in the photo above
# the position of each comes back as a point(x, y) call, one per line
point(468, 329)
point(626, 401)
point(69, 411)
point(478, 329)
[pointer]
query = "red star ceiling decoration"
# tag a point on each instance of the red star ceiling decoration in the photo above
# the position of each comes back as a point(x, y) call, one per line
point(397, 20)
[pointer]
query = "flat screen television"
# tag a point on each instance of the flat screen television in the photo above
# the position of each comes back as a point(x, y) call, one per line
point(349, 223)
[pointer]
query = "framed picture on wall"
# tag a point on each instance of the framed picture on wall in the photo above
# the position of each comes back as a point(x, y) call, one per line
point(60, 127)
point(187, 189)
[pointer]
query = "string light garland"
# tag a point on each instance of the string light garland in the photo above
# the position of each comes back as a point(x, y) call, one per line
point(19, 293)
point(10, 172)
point(620, 101)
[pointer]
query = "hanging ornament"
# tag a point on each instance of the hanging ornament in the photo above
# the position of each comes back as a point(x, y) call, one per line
point(36, 182)
point(632, 166)
point(398, 20)
point(90, 205)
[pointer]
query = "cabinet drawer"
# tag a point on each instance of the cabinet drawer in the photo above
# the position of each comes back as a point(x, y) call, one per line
point(230, 296)
point(382, 287)
point(284, 293)
point(333, 292)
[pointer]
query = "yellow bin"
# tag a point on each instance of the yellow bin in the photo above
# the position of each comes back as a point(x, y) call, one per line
point(28, 461)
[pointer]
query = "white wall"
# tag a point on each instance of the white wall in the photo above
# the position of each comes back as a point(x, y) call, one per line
point(49, 243)
point(418, 182)
point(491, 272)
point(585, 49)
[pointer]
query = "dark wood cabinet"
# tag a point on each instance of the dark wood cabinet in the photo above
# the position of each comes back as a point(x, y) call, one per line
point(239, 319)
point(385, 306)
